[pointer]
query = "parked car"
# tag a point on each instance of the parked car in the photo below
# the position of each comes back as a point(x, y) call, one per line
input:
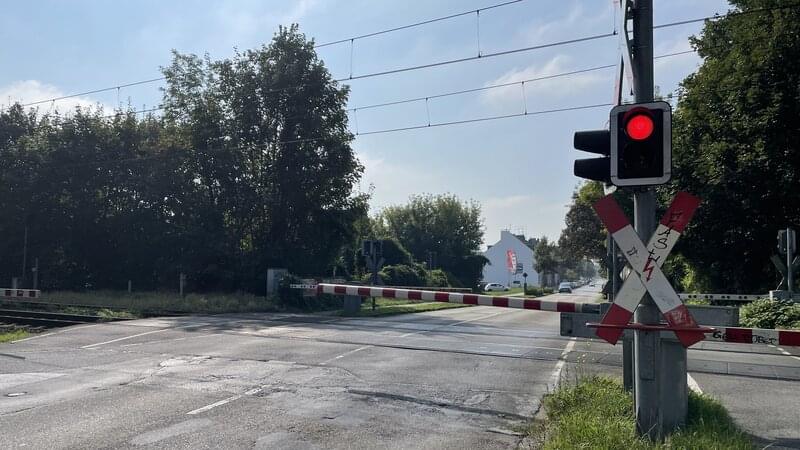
point(565, 286)
point(495, 287)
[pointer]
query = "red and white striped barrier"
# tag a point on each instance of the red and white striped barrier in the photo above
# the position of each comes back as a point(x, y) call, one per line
point(19, 293)
point(646, 268)
point(659, 246)
point(756, 336)
point(456, 297)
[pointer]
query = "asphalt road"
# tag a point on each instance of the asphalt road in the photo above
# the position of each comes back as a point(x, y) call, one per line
point(458, 378)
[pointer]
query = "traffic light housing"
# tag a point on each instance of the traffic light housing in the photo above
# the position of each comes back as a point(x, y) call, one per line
point(641, 144)
point(593, 141)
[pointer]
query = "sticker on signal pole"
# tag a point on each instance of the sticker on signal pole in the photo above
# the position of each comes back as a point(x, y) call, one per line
point(646, 264)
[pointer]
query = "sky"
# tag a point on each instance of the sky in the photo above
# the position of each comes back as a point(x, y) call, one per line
point(519, 168)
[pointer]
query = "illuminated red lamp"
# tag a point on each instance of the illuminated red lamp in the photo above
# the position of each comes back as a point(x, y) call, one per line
point(639, 127)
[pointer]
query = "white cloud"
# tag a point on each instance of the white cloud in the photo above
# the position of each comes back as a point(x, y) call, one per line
point(393, 183)
point(31, 91)
point(576, 18)
point(549, 87)
point(241, 22)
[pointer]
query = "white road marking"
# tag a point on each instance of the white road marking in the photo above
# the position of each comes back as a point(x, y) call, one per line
point(143, 334)
point(693, 383)
point(562, 360)
point(457, 323)
point(780, 349)
point(55, 332)
point(222, 402)
point(345, 354)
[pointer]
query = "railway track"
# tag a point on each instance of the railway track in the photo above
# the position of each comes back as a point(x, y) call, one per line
point(44, 318)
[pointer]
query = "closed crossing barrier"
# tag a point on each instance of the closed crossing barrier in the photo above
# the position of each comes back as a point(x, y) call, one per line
point(734, 335)
point(457, 297)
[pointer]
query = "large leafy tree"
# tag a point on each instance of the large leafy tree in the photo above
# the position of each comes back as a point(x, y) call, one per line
point(250, 167)
point(270, 154)
point(737, 144)
point(443, 224)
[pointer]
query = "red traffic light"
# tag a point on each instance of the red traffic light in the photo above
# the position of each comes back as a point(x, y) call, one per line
point(639, 127)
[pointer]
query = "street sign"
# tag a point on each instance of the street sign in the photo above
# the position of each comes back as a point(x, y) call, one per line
point(660, 245)
point(645, 266)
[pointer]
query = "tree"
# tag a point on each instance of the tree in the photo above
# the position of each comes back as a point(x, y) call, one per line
point(269, 150)
point(546, 259)
point(250, 167)
point(442, 224)
point(737, 145)
point(584, 236)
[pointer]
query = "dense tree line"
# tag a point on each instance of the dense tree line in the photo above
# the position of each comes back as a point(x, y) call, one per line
point(250, 166)
point(736, 144)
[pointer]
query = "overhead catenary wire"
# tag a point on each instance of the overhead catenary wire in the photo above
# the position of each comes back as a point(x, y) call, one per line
point(451, 93)
point(340, 41)
point(420, 23)
point(446, 62)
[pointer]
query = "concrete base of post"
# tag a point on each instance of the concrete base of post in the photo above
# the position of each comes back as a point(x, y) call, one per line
point(352, 305)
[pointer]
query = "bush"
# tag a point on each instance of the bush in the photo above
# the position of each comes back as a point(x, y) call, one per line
point(770, 314)
point(437, 278)
point(538, 291)
point(293, 298)
point(403, 275)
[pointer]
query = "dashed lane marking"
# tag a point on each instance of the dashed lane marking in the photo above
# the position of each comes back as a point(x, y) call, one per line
point(223, 402)
point(144, 334)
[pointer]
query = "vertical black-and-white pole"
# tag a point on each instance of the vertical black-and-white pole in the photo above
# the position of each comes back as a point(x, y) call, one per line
point(790, 244)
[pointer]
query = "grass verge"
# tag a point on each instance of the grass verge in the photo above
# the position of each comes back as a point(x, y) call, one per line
point(15, 335)
point(120, 304)
point(598, 413)
point(388, 307)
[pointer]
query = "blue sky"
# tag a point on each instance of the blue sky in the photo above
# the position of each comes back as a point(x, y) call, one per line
point(519, 169)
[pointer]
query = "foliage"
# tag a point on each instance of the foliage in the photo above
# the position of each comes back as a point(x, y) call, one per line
point(404, 275)
point(537, 291)
point(584, 235)
point(240, 174)
point(737, 145)
point(13, 335)
point(770, 314)
point(598, 413)
point(293, 299)
point(120, 304)
point(437, 278)
point(547, 258)
point(442, 224)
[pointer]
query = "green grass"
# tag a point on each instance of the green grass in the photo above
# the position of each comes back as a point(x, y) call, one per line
point(13, 335)
point(598, 413)
point(388, 307)
point(120, 304)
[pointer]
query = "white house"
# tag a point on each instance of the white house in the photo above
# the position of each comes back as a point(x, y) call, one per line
point(505, 258)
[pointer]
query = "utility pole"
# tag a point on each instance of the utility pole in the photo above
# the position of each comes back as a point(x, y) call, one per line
point(660, 388)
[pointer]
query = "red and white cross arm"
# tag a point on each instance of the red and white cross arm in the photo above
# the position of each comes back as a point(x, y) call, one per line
point(672, 224)
point(644, 265)
point(455, 297)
